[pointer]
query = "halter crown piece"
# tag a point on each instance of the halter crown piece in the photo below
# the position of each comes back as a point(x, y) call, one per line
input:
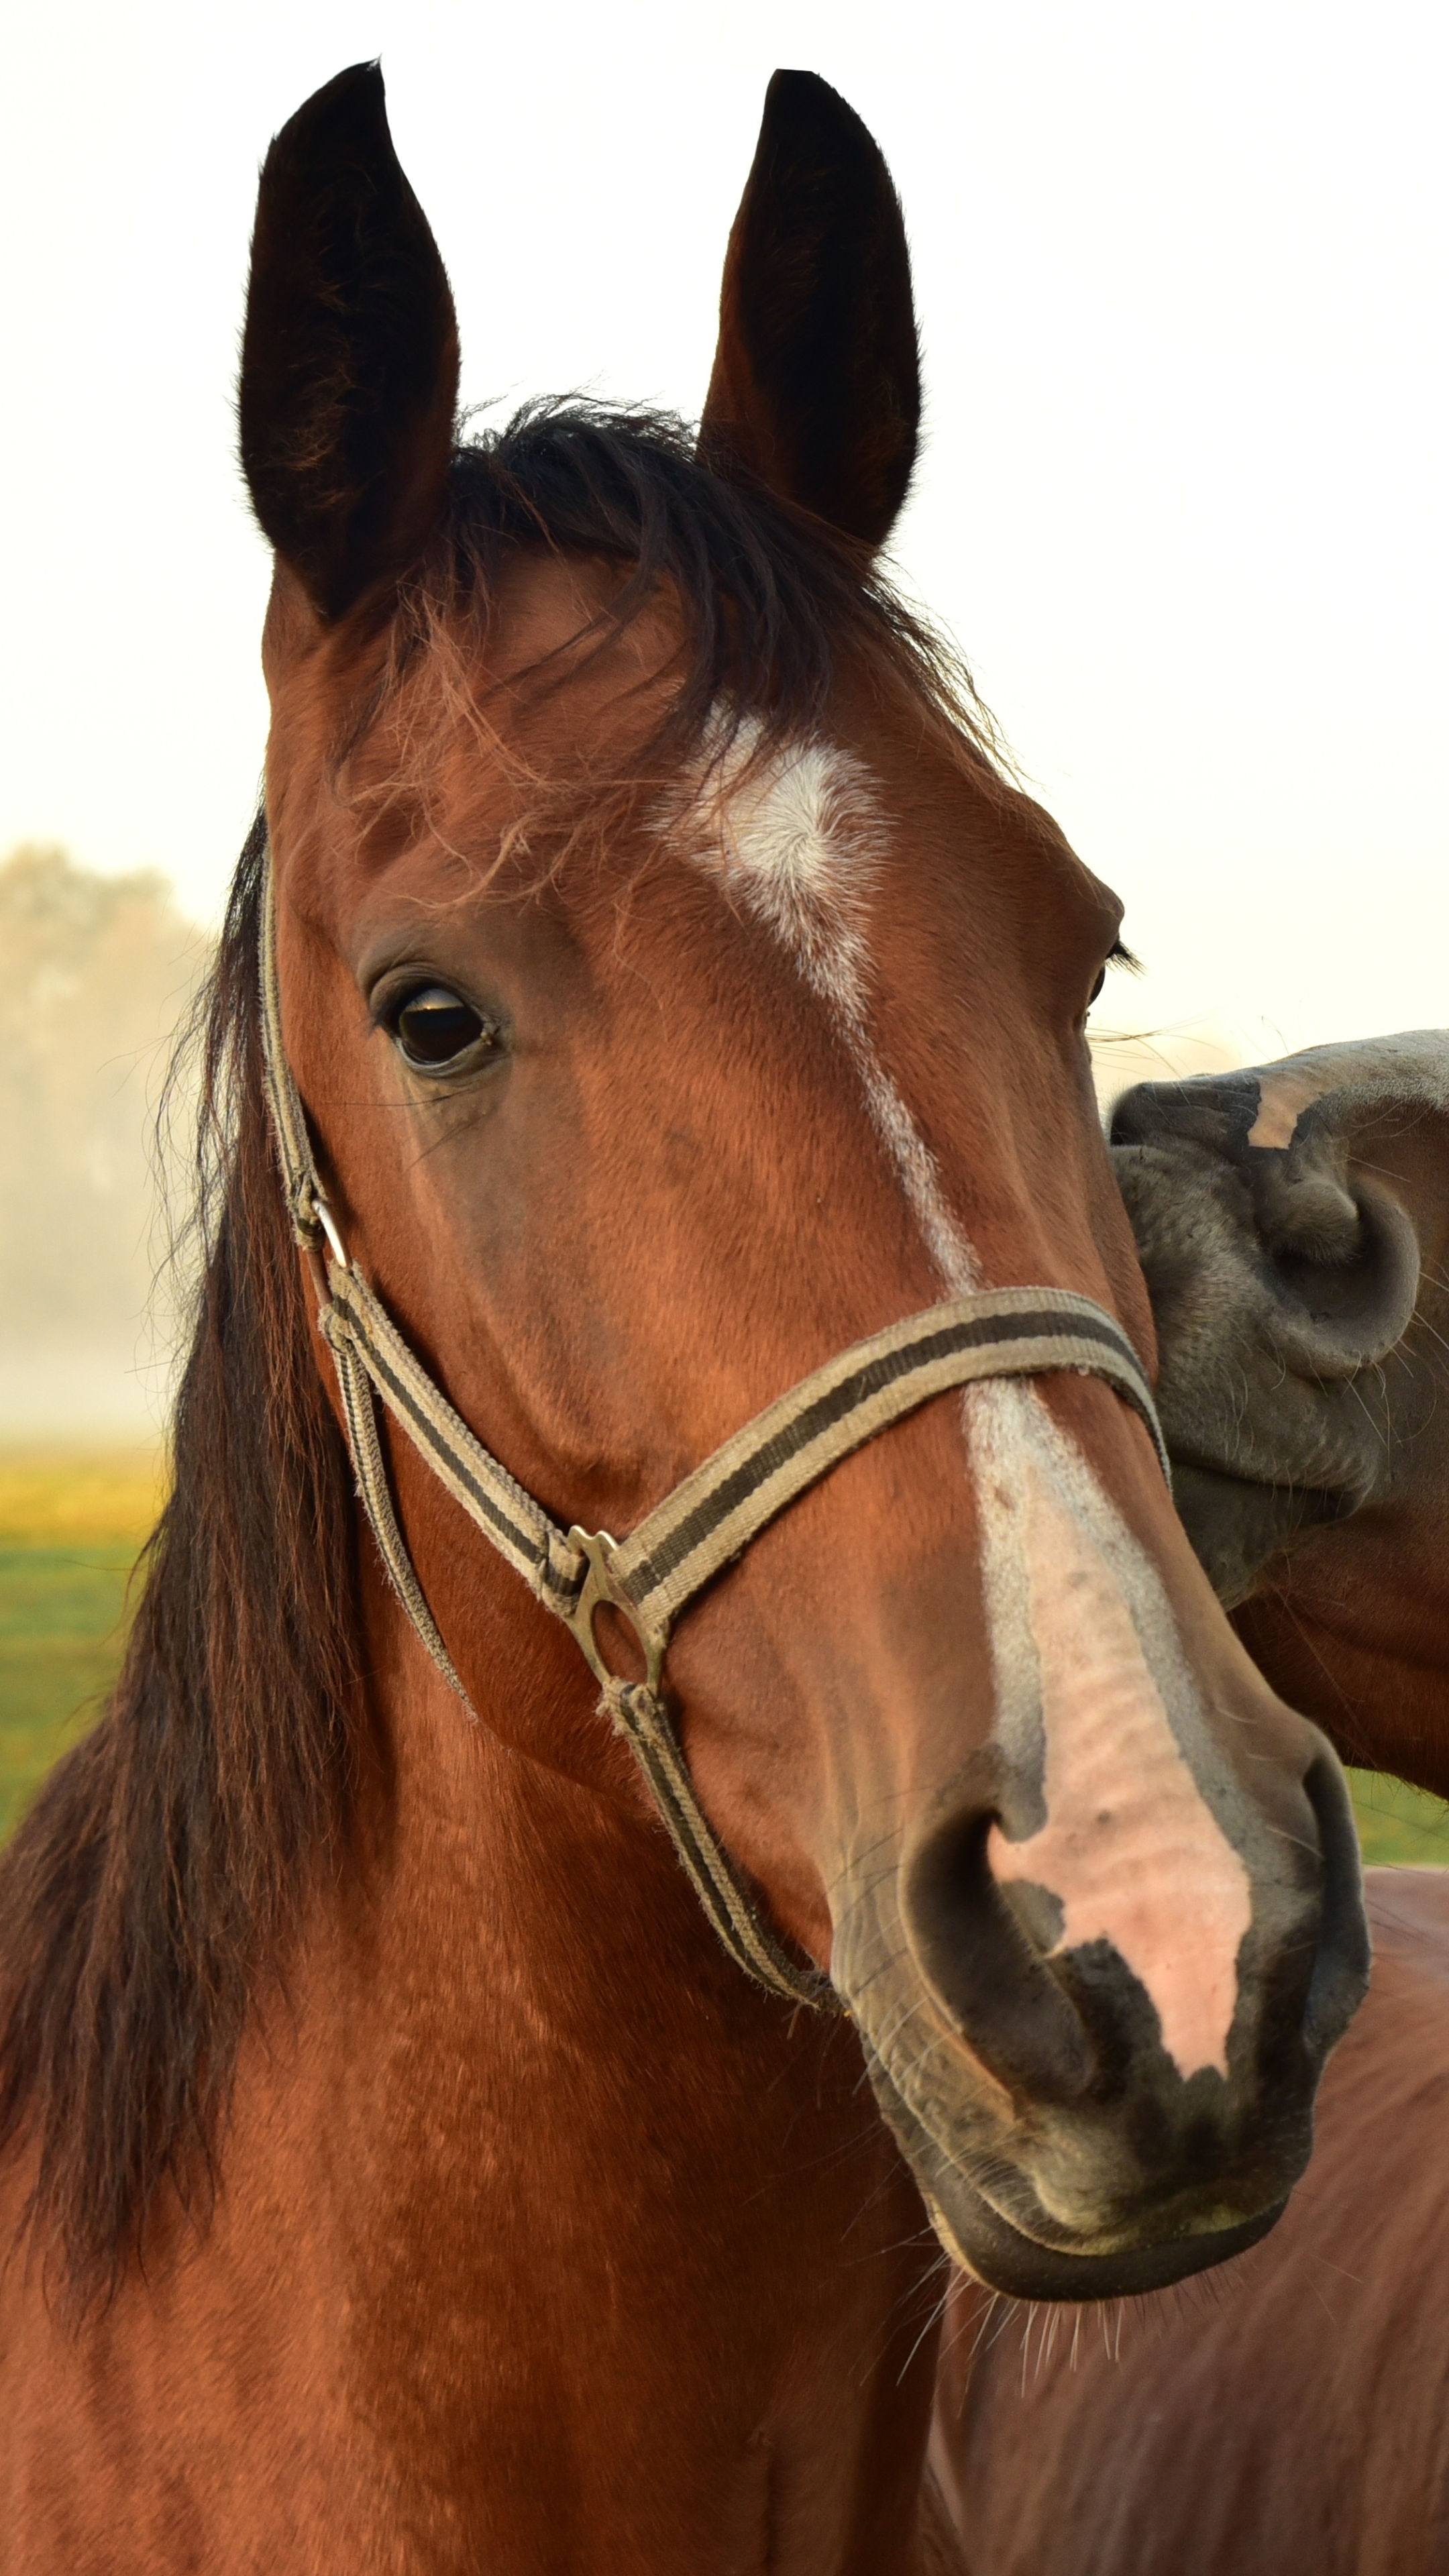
point(704, 1524)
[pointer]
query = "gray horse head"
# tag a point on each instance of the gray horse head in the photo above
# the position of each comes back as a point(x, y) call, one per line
point(1292, 1221)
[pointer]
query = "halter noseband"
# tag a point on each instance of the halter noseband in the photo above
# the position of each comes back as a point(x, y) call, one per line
point(704, 1524)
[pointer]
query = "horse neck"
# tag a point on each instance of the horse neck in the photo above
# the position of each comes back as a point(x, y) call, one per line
point(651, 2217)
point(1356, 1633)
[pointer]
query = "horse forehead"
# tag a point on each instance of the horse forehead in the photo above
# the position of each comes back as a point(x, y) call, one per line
point(802, 822)
point(813, 820)
point(542, 603)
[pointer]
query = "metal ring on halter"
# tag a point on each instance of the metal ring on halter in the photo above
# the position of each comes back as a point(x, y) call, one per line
point(599, 1590)
point(328, 1223)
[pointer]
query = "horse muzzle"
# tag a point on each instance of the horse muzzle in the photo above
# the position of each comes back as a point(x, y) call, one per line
point(1062, 2151)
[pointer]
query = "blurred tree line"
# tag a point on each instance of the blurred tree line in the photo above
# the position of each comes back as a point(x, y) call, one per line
point(99, 973)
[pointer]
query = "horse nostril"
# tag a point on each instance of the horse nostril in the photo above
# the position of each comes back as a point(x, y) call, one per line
point(1341, 1967)
point(1314, 1221)
point(982, 1951)
point(1344, 1268)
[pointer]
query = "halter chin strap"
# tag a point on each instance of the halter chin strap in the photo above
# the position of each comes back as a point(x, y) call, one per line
point(699, 1528)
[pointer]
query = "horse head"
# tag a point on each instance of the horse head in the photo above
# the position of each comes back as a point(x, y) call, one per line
point(679, 994)
point(1292, 1221)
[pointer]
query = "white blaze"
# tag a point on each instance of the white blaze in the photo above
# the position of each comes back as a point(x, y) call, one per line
point(1130, 1846)
point(799, 842)
point(1086, 1654)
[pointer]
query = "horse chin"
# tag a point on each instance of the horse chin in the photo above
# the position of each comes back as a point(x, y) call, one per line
point(1238, 1527)
point(982, 2241)
point(986, 2245)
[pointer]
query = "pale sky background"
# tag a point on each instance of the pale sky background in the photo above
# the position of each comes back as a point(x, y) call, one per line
point(1180, 276)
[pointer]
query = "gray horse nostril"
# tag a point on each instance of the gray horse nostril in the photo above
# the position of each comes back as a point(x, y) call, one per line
point(1314, 1220)
point(1344, 1268)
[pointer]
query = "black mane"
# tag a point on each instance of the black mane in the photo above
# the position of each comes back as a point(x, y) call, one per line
point(773, 599)
point(160, 1868)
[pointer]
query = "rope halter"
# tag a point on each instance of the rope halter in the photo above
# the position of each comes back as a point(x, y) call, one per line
point(699, 1528)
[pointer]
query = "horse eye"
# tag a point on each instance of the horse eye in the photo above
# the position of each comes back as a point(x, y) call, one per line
point(1095, 994)
point(434, 1027)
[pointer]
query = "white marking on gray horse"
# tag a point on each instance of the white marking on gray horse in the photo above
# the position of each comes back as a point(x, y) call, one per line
point(1414, 1060)
point(1282, 1099)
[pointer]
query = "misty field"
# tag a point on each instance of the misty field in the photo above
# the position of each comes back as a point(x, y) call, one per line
point(71, 1528)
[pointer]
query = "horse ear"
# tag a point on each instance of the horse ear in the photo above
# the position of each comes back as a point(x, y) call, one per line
point(816, 389)
point(349, 373)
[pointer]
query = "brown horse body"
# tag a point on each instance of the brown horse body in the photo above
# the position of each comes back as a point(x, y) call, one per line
point(526, 2255)
point(401, 2175)
point(1288, 2416)
point(1293, 1222)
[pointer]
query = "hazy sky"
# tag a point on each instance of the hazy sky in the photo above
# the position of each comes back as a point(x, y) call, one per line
point(1181, 280)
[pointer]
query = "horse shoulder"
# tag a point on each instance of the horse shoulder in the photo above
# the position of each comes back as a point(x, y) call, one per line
point(194, 2393)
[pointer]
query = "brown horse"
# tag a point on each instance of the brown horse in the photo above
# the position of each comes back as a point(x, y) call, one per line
point(401, 2173)
point(1292, 1222)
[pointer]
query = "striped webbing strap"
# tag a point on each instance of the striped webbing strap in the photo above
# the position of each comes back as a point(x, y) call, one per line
point(699, 1528)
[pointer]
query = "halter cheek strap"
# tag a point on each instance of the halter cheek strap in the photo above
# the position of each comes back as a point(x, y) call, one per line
point(699, 1528)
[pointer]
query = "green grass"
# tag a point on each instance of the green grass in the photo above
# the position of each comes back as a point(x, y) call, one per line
point(70, 1531)
point(1399, 1824)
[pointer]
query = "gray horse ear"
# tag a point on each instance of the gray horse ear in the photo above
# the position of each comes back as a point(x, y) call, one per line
point(816, 390)
point(349, 374)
